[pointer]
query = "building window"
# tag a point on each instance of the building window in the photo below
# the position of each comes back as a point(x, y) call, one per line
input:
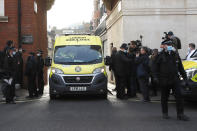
point(2, 8)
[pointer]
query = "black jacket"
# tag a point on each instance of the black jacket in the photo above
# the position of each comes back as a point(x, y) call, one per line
point(132, 66)
point(111, 67)
point(40, 64)
point(1, 59)
point(143, 69)
point(9, 62)
point(31, 68)
point(121, 62)
point(168, 67)
point(19, 59)
point(10, 65)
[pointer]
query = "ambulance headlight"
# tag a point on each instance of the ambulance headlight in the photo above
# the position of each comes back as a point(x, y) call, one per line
point(57, 71)
point(191, 73)
point(99, 70)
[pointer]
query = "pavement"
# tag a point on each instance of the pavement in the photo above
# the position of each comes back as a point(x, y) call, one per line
point(21, 95)
point(91, 114)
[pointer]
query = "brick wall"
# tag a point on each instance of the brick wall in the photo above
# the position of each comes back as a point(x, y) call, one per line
point(9, 31)
point(34, 24)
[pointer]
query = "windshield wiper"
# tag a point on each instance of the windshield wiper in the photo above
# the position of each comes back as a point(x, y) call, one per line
point(76, 63)
point(67, 63)
point(94, 61)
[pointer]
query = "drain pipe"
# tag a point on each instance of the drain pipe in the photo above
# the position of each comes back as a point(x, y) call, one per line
point(19, 24)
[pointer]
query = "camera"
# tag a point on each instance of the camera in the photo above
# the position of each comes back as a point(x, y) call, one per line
point(165, 38)
point(138, 43)
point(176, 43)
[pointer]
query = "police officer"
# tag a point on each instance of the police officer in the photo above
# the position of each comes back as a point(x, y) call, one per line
point(167, 69)
point(19, 66)
point(30, 72)
point(40, 66)
point(9, 45)
point(9, 67)
point(120, 66)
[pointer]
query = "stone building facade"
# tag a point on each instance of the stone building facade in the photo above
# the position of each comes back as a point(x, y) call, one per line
point(128, 19)
point(150, 18)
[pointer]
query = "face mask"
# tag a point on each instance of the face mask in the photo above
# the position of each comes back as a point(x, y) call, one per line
point(173, 49)
point(14, 53)
point(20, 51)
point(38, 54)
point(161, 49)
point(169, 48)
point(189, 49)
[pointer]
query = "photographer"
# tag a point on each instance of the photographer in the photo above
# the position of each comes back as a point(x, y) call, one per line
point(176, 42)
point(154, 86)
point(134, 47)
point(132, 67)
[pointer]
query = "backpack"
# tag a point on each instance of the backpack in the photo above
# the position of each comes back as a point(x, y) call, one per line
point(178, 43)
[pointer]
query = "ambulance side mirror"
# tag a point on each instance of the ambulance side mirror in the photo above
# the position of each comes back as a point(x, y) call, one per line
point(48, 61)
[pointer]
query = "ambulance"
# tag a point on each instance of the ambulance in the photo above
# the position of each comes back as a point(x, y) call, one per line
point(78, 67)
point(190, 67)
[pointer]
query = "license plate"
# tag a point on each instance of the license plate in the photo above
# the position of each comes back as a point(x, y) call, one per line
point(78, 88)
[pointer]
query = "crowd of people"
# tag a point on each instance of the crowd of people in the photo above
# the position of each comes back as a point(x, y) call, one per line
point(12, 72)
point(137, 68)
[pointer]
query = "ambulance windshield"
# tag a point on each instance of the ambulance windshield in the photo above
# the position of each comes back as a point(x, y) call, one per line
point(78, 54)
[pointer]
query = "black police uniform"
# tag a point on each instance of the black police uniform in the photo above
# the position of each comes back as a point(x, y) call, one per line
point(120, 65)
point(10, 68)
point(40, 77)
point(167, 68)
point(30, 72)
point(19, 68)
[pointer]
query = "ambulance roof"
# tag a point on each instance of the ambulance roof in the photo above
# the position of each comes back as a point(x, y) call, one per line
point(78, 40)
